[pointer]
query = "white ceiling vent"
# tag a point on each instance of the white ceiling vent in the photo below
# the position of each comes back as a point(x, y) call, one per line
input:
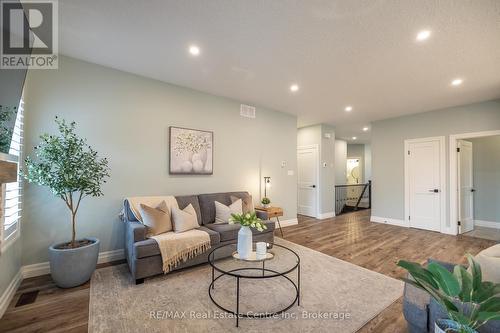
point(247, 111)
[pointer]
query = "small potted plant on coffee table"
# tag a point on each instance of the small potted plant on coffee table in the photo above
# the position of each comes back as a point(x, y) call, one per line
point(247, 221)
point(265, 202)
point(468, 301)
point(71, 169)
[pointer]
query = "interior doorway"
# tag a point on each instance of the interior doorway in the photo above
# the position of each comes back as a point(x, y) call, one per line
point(308, 180)
point(425, 183)
point(475, 176)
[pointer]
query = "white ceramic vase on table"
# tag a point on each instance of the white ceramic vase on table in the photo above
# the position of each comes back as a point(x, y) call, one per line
point(244, 246)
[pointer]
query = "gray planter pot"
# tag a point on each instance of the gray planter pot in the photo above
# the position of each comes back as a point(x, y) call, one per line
point(73, 267)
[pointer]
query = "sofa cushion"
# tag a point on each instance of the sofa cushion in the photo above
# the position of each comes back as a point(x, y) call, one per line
point(207, 204)
point(229, 232)
point(184, 200)
point(247, 203)
point(223, 212)
point(184, 220)
point(149, 247)
point(156, 219)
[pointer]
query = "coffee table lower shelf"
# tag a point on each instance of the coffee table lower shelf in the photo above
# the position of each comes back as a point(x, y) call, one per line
point(274, 274)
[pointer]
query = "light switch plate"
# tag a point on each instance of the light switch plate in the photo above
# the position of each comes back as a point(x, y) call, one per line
point(283, 164)
point(290, 172)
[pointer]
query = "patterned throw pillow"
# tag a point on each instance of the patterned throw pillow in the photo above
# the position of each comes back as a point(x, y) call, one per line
point(223, 212)
point(184, 220)
point(156, 219)
point(247, 203)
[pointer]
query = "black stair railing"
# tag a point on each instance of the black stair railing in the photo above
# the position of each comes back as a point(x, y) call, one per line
point(352, 197)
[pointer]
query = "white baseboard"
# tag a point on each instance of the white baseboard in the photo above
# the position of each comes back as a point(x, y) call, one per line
point(286, 223)
point(487, 224)
point(33, 270)
point(386, 220)
point(43, 268)
point(326, 215)
point(9, 293)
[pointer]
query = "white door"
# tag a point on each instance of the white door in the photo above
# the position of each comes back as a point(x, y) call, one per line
point(424, 180)
point(307, 165)
point(465, 186)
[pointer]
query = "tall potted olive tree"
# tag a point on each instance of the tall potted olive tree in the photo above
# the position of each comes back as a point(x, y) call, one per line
point(72, 170)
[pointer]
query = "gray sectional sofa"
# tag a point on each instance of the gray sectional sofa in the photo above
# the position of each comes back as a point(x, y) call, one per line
point(143, 254)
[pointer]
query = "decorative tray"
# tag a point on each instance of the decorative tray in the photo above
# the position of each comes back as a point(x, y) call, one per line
point(253, 256)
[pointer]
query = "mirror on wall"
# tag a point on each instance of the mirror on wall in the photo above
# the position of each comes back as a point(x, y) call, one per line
point(353, 171)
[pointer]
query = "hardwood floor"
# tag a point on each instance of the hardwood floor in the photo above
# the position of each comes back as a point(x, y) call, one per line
point(378, 247)
point(350, 237)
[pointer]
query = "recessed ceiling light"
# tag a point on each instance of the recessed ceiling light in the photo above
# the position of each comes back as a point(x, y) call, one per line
point(457, 82)
point(294, 87)
point(354, 138)
point(423, 35)
point(365, 129)
point(194, 50)
point(348, 108)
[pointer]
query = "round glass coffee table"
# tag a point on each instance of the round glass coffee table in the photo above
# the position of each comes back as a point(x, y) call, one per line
point(280, 264)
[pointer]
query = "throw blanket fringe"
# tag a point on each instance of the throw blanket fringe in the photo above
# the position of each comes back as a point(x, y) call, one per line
point(180, 247)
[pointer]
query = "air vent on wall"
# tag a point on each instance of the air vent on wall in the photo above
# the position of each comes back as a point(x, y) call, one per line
point(247, 111)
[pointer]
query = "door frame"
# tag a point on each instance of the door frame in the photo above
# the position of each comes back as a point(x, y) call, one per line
point(442, 176)
point(318, 185)
point(454, 227)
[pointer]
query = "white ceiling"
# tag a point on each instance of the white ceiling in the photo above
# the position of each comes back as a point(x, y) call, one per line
point(360, 53)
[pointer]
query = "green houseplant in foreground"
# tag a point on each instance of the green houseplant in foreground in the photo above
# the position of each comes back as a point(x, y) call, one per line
point(469, 301)
point(247, 221)
point(72, 170)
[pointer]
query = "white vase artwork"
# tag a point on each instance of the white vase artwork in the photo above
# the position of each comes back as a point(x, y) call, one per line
point(190, 151)
point(244, 246)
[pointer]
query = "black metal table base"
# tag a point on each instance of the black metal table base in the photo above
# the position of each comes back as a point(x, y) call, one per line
point(237, 313)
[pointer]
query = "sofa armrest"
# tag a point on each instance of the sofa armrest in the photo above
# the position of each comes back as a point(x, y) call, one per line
point(136, 231)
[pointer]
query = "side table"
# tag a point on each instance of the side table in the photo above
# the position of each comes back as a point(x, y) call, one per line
point(272, 212)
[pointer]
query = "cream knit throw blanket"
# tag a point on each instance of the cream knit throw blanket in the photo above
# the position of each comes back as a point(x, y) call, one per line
point(174, 247)
point(177, 247)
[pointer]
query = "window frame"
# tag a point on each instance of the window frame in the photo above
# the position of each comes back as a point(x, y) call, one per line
point(7, 241)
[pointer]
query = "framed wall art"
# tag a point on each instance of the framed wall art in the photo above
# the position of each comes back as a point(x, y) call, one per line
point(191, 151)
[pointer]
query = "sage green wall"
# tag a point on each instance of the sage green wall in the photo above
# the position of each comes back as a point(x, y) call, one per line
point(340, 162)
point(486, 160)
point(327, 169)
point(126, 118)
point(315, 135)
point(10, 264)
point(368, 162)
point(388, 147)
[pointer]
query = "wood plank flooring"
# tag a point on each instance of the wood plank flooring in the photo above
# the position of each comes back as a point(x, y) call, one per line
point(350, 237)
point(378, 247)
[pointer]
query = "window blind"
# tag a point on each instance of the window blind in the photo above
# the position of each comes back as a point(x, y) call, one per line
point(13, 191)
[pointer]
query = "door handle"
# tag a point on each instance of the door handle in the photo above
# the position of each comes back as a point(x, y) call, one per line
point(473, 190)
point(434, 190)
point(313, 186)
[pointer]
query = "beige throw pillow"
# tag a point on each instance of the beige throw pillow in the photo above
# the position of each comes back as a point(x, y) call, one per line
point(156, 219)
point(247, 203)
point(184, 220)
point(223, 212)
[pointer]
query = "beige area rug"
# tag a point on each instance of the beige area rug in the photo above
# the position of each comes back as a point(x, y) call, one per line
point(336, 296)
